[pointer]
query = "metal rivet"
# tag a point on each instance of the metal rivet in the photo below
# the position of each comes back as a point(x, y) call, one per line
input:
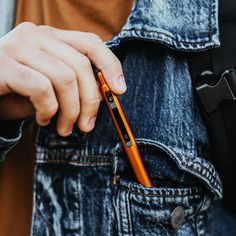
point(177, 217)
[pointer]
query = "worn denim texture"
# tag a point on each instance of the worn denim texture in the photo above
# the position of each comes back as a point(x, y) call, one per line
point(7, 12)
point(84, 184)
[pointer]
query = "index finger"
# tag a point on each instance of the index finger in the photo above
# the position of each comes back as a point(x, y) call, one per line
point(98, 53)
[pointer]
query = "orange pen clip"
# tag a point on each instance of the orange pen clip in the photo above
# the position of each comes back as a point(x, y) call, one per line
point(118, 117)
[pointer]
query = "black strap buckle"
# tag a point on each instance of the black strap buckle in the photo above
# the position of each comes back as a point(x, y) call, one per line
point(224, 89)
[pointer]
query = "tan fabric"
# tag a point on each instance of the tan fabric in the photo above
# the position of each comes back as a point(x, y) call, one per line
point(103, 17)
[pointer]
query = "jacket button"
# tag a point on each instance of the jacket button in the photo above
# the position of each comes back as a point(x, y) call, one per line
point(177, 217)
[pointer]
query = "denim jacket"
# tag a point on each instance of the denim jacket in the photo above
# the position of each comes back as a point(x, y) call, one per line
point(84, 184)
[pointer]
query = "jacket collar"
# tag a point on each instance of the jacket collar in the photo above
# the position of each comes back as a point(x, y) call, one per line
point(187, 25)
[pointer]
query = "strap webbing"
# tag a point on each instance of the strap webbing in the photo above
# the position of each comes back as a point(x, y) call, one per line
point(221, 123)
point(224, 57)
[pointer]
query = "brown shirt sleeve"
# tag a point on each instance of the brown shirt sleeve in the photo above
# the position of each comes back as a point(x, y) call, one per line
point(102, 17)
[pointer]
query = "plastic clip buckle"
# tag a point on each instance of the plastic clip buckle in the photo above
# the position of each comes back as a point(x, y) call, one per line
point(212, 95)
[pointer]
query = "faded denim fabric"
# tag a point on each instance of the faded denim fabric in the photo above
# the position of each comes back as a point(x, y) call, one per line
point(183, 25)
point(84, 184)
point(7, 12)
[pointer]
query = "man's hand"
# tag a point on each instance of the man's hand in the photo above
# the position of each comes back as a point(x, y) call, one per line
point(44, 70)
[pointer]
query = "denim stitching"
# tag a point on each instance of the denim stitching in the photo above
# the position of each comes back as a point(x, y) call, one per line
point(210, 32)
point(146, 147)
point(187, 194)
point(39, 213)
point(188, 216)
point(123, 212)
point(168, 36)
point(50, 152)
point(203, 167)
point(115, 203)
point(200, 228)
point(119, 209)
point(128, 213)
point(189, 167)
point(77, 210)
point(122, 36)
point(72, 161)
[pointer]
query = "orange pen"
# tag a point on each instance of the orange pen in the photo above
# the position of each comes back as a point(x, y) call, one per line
point(118, 117)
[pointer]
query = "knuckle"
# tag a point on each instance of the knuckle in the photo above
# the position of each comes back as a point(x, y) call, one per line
point(95, 38)
point(85, 63)
point(24, 75)
point(15, 39)
point(11, 45)
point(51, 110)
point(116, 62)
point(47, 111)
point(46, 29)
point(27, 32)
point(67, 77)
point(26, 26)
point(93, 103)
point(42, 88)
point(114, 65)
point(73, 114)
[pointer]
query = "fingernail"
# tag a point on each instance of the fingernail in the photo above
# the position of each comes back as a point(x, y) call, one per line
point(69, 131)
point(46, 123)
point(91, 122)
point(121, 82)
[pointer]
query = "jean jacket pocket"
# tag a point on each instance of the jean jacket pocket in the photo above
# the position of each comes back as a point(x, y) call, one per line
point(175, 205)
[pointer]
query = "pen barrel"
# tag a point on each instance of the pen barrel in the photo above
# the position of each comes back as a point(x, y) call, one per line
point(124, 131)
point(131, 150)
point(137, 165)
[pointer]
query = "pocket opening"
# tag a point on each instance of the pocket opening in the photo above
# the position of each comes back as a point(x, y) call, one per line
point(168, 168)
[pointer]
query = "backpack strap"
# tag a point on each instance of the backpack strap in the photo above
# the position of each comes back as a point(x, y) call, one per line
point(224, 57)
point(214, 78)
